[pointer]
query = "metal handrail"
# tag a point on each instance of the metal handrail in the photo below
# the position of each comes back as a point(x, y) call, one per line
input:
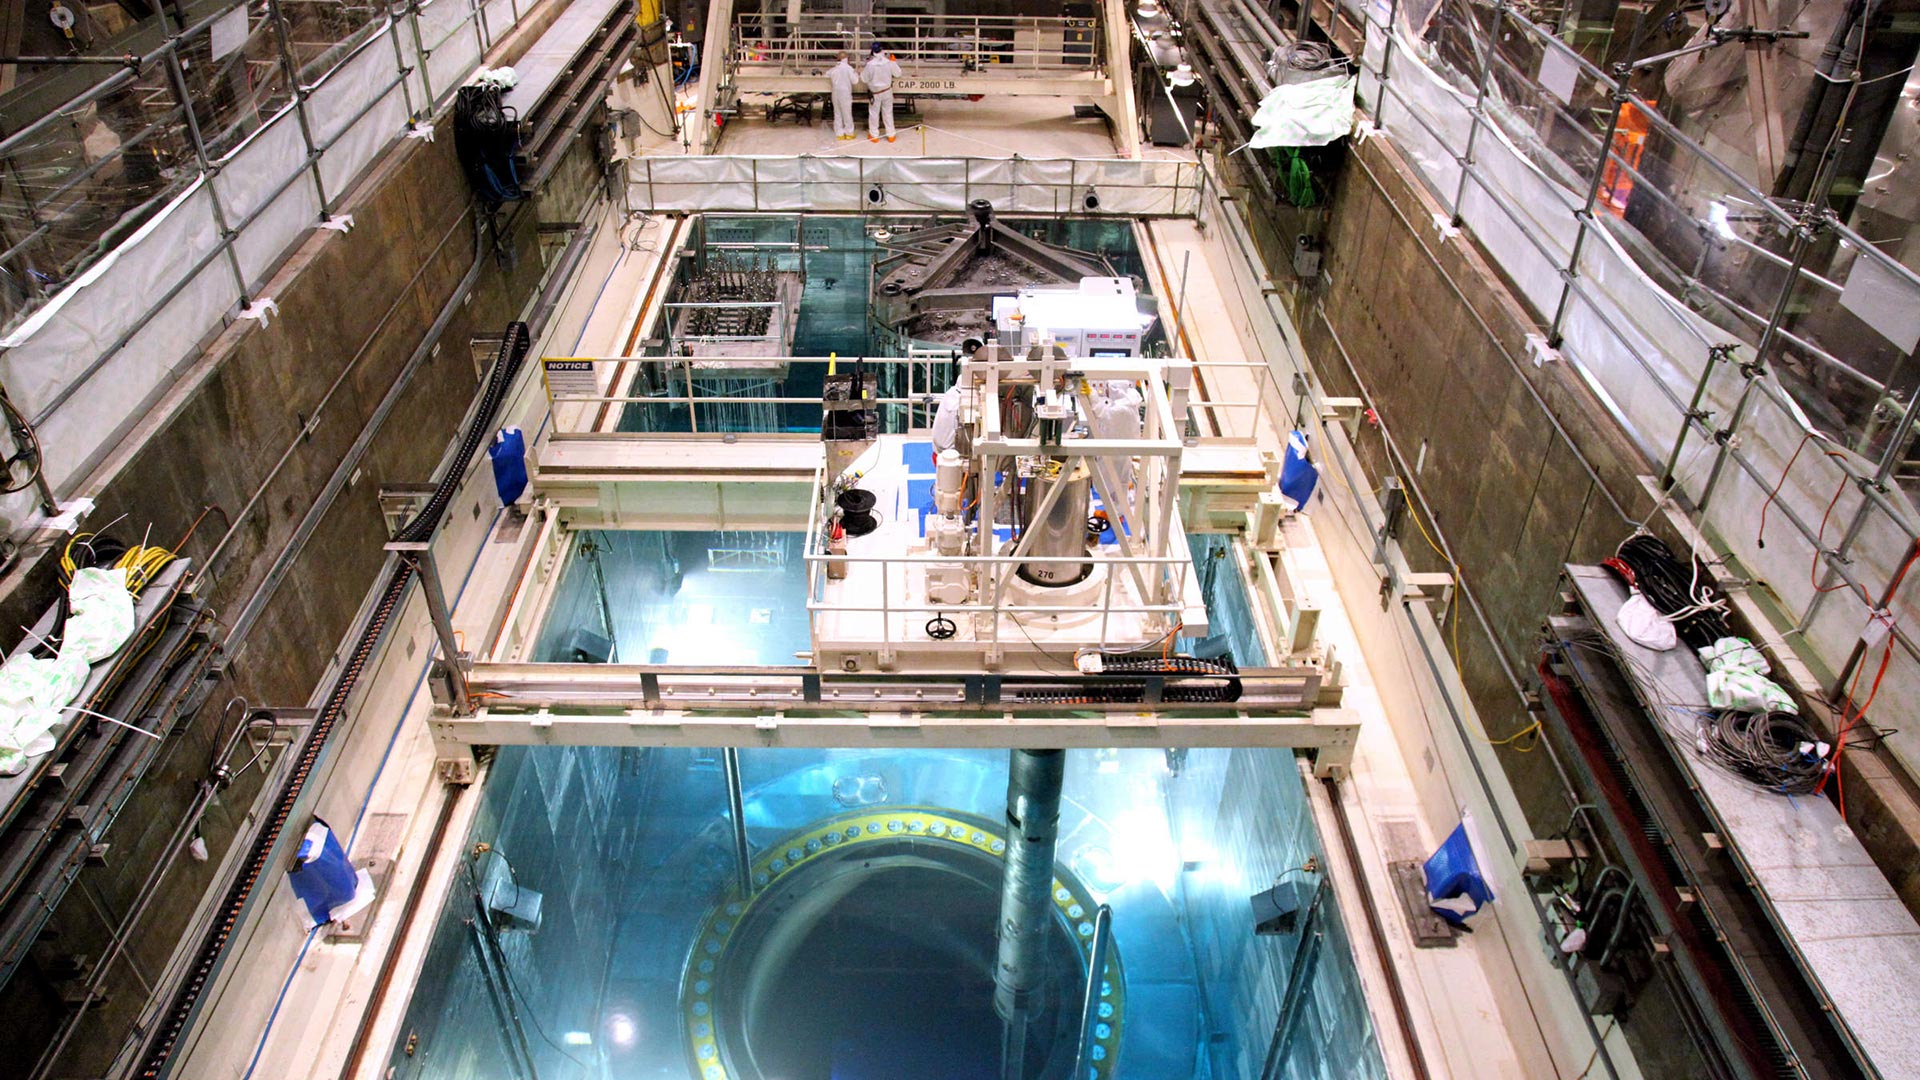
point(985, 43)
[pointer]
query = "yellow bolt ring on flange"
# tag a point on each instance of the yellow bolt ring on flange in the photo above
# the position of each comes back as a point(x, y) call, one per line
point(1070, 899)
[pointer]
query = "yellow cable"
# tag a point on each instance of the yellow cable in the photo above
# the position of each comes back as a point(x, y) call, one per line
point(1458, 592)
point(142, 564)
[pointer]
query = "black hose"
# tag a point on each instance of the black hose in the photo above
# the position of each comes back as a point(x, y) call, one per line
point(486, 137)
point(171, 1025)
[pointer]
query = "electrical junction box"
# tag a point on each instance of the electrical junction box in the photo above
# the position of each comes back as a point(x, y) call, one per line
point(1277, 911)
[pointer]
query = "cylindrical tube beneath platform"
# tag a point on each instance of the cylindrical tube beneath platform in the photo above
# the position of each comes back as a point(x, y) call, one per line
point(1034, 780)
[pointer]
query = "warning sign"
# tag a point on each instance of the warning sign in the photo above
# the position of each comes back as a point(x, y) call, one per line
point(570, 379)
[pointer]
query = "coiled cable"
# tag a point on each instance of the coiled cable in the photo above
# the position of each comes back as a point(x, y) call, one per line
point(1776, 750)
point(1303, 56)
point(1684, 595)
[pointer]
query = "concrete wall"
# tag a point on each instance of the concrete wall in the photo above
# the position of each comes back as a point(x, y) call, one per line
point(1516, 467)
point(358, 304)
point(1424, 329)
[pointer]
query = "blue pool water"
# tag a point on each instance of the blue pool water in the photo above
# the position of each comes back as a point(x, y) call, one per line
point(631, 850)
point(837, 254)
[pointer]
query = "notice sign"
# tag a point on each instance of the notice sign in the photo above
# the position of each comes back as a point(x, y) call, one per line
point(570, 379)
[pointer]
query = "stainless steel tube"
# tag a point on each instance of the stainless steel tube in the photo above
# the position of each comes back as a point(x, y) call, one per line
point(1034, 780)
point(1096, 977)
point(737, 810)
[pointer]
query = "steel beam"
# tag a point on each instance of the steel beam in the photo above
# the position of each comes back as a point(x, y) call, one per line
point(1116, 23)
point(714, 58)
point(1329, 733)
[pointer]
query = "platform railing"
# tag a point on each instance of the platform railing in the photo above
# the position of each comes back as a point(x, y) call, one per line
point(704, 386)
point(990, 44)
point(147, 196)
point(1026, 187)
point(1726, 330)
point(1166, 574)
point(1159, 583)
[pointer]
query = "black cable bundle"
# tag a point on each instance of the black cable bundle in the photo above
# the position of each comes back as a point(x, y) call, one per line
point(1189, 679)
point(1766, 748)
point(1673, 588)
point(486, 135)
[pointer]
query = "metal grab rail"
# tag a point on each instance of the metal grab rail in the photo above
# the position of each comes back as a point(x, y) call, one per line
point(1170, 580)
point(772, 41)
point(1025, 187)
point(1721, 432)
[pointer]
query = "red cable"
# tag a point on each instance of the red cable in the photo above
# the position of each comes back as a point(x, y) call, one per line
point(1852, 717)
point(1761, 536)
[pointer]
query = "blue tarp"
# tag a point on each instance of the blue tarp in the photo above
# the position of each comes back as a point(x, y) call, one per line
point(1298, 476)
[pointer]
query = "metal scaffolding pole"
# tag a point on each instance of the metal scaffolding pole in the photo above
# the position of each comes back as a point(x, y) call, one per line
point(1486, 48)
point(283, 41)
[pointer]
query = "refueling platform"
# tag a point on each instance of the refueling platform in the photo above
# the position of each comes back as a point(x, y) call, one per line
point(1037, 523)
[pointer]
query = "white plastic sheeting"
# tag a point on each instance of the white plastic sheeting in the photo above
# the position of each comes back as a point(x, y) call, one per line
point(269, 162)
point(62, 366)
point(56, 348)
point(909, 185)
point(34, 692)
point(1312, 113)
point(1643, 352)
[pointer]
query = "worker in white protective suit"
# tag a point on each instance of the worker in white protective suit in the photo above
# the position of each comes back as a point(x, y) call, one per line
point(842, 77)
point(880, 72)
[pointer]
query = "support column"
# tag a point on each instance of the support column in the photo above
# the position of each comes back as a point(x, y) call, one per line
point(1034, 780)
point(452, 670)
point(1117, 25)
point(714, 56)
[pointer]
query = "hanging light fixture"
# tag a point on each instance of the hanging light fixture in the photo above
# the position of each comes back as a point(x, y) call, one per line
point(1181, 75)
point(1147, 9)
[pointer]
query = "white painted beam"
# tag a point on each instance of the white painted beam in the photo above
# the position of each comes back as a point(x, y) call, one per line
point(714, 50)
point(1117, 21)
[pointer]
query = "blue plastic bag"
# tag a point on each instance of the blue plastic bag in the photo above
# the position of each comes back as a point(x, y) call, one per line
point(1455, 886)
point(509, 456)
point(322, 877)
point(1298, 476)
